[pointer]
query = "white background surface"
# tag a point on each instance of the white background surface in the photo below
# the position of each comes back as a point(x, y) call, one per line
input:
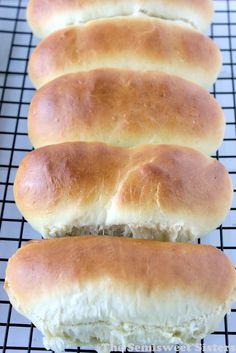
point(16, 42)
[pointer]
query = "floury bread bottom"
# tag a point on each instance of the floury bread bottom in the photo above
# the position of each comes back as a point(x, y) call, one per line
point(45, 16)
point(93, 291)
point(164, 192)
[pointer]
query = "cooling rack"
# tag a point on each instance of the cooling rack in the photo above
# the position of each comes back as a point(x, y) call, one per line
point(16, 91)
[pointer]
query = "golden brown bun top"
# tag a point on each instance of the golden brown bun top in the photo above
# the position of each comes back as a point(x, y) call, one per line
point(78, 167)
point(125, 108)
point(153, 267)
point(177, 180)
point(131, 42)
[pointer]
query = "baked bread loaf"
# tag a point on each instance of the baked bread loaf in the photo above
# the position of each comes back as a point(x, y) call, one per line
point(125, 108)
point(129, 42)
point(46, 16)
point(111, 290)
point(164, 192)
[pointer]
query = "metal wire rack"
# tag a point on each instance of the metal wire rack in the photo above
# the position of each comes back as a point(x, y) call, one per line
point(16, 91)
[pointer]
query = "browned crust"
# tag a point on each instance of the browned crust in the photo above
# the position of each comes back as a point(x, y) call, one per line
point(77, 170)
point(58, 266)
point(140, 43)
point(178, 179)
point(126, 108)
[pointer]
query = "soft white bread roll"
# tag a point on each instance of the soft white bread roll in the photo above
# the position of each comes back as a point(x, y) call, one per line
point(110, 290)
point(166, 192)
point(130, 42)
point(47, 16)
point(125, 108)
